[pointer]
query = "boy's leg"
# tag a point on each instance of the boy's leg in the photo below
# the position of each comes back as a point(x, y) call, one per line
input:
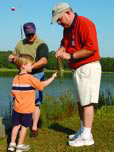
point(22, 135)
point(26, 120)
point(16, 125)
point(14, 133)
point(21, 146)
point(12, 145)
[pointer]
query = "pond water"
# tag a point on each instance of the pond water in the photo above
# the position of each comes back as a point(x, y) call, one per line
point(57, 88)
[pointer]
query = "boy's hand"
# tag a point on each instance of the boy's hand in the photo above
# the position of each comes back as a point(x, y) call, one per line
point(54, 75)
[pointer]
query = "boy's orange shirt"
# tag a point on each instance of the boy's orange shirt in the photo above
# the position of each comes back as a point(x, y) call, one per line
point(23, 91)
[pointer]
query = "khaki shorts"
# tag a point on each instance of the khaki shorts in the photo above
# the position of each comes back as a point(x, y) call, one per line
point(86, 80)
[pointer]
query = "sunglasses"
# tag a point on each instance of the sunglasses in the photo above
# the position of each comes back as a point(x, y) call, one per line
point(29, 35)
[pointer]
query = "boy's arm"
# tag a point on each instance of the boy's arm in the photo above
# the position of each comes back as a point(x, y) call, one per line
point(36, 83)
point(48, 81)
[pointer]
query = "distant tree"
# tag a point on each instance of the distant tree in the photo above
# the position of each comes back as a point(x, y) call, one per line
point(4, 63)
point(106, 62)
point(52, 63)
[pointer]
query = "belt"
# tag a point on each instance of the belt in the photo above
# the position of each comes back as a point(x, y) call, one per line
point(84, 64)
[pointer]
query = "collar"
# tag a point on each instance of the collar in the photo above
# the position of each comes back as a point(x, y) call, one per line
point(35, 41)
point(73, 23)
point(23, 73)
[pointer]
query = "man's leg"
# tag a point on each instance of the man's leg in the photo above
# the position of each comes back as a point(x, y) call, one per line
point(80, 112)
point(88, 87)
point(85, 137)
point(88, 114)
point(38, 102)
point(36, 116)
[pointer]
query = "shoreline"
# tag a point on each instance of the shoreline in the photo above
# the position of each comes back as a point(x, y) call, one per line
point(45, 70)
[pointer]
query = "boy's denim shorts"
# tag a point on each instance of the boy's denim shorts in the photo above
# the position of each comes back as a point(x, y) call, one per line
point(39, 94)
point(21, 119)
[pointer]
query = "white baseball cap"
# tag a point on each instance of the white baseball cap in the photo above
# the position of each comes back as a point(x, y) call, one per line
point(58, 10)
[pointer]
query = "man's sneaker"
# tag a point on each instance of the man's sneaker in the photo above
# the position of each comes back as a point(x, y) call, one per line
point(81, 141)
point(12, 147)
point(22, 148)
point(76, 135)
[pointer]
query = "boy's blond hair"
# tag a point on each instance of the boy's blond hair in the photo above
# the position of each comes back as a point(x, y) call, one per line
point(23, 59)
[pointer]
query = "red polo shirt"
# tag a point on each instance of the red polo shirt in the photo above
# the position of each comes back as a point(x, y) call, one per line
point(81, 35)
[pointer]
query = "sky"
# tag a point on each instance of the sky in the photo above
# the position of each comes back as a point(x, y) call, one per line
point(101, 12)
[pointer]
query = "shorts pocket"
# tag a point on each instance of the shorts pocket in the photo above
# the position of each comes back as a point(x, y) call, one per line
point(85, 71)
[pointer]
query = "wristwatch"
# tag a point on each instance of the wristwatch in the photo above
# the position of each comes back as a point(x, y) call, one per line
point(71, 57)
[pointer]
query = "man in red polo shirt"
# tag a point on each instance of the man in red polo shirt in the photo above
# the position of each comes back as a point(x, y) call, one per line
point(80, 47)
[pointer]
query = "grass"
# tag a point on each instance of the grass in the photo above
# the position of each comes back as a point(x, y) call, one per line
point(6, 69)
point(59, 118)
point(53, 138)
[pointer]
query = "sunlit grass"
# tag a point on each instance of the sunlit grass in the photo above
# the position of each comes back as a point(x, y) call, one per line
point(59, 118)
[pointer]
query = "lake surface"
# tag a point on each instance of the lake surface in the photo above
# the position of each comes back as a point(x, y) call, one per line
point(57, 88)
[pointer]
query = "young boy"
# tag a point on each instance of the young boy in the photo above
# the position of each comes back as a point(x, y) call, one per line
point(23, 91)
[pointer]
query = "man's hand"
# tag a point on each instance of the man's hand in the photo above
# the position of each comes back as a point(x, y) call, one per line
point(65, 56)
point(12, 58)
point(59, 52)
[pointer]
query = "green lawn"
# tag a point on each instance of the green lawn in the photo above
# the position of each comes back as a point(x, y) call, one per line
point(54, 137)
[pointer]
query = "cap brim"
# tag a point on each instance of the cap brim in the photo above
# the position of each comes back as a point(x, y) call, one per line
point(29, 32)
point(55, 18)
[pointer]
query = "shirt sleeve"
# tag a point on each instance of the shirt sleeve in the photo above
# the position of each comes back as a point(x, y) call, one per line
point(42, 51)
point(36, 83)
point(88, 35)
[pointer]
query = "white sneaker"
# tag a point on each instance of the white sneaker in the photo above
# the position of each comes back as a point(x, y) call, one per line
point(81, 141)
point(76, 135)
point(12, 147)
point(22, 148)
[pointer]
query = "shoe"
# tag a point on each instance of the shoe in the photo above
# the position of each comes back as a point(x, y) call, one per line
point(11, 147)
point(22, 148)
point(34, 133)
point(76, 135)
point(81, 141)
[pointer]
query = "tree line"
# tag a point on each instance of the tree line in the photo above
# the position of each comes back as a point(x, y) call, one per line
point(106, 62)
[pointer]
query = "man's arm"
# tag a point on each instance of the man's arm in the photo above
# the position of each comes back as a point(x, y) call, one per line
point(78, 54)
point(40, 63)
point(41, 56)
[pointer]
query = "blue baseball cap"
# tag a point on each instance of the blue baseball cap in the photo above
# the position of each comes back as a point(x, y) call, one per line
point(29, 28)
